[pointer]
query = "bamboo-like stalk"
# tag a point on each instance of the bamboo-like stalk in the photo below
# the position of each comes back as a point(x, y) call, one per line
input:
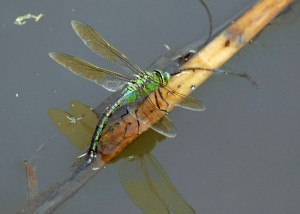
point(214, 55)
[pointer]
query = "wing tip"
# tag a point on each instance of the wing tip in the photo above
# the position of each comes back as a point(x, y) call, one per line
point(199, 107)
point(202, 107)
point(172, 135)
point(75, 23)
point(56, 56)
point(52, 54)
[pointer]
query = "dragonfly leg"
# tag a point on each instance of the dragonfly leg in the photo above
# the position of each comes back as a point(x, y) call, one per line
point(127, 123)
point(161, 97)
point(222, 71)
point(123, 115)
point(138, 122)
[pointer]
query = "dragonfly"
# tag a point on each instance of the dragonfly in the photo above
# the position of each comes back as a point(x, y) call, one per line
point(134, 88)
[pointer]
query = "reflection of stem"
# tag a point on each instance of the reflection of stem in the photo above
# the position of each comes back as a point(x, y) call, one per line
point(48, 201)
point(216, 53)
point(32, 183)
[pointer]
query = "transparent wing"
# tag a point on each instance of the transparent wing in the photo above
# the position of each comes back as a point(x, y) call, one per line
point(164, 125)
point(109, 80)
point(150, 188)
point(100, 46)
point(186, 102)
point(136, 180)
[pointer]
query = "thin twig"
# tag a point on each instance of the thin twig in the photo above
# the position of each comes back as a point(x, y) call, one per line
point(214, 55)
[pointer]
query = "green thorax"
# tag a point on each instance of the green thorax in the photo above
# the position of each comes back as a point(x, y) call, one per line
point(144, 85)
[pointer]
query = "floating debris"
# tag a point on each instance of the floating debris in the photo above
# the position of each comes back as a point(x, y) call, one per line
point(21, 20)
point(167, 47)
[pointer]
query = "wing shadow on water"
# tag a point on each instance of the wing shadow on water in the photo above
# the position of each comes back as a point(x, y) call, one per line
point(77, 127)
point(82, 120)
point(148, 185)
point(141, 175)
point(147, 174)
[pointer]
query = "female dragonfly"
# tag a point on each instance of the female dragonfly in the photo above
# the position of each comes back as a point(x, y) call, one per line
point(135, 89)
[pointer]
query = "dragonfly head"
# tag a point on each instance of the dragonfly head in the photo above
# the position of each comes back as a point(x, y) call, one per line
point(164, 77)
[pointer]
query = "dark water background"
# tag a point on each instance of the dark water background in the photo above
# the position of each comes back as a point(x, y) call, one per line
point(239, 156)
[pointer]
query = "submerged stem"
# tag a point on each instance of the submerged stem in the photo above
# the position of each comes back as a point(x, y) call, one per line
point(214, 55)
